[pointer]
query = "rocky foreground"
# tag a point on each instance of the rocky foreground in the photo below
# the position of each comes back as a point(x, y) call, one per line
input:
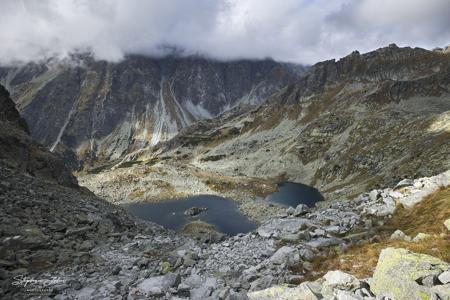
point(400, 274)
point(80, 247)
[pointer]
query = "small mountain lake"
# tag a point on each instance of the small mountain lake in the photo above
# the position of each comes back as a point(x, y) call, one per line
point(221, 212)
point(293, 194)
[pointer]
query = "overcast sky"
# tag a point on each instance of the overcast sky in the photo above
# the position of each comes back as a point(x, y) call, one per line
point(302, 31)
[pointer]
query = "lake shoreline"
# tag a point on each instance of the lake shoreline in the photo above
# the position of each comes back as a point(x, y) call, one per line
point(171, 213)
point(221, 212)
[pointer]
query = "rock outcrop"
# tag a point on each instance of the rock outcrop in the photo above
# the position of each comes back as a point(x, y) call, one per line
point(399, 275)
point(8, 111)
point(19, 151)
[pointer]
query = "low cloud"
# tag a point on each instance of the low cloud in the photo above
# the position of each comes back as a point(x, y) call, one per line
point(302, 31)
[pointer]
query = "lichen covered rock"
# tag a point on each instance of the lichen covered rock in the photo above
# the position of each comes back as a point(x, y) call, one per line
point(399, 272)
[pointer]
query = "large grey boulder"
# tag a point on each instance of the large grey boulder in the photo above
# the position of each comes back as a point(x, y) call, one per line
point(399, 235)
point(325, 242)
point(338, 280)
point(263, 282)
point(156, 286)
point(301, 209)
point(373, 195)
point(277, 227)
point(346, 295)
point(205, 289)
point(381, 209)
point(444, 277)
point(285, 255)
point(399, 273)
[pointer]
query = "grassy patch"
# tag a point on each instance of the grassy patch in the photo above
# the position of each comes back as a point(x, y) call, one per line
point(197, 227)
point(318, 106)
point(149, 170)
point(136, 194)
point(220, 136)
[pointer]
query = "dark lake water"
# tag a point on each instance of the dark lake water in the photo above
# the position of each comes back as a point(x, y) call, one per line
point(222, 212)
point(293, 194)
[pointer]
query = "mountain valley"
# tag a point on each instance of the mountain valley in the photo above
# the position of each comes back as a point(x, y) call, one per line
point(345, 127)
point(81, 140)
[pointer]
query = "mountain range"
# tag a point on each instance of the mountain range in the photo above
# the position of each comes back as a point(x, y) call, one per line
point(364, 121)
point(100, 111)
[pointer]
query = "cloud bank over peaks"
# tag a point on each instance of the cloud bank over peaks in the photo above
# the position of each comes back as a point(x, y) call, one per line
point(301, 31)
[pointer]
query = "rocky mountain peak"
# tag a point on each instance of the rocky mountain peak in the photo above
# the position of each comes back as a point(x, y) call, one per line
point(391, 63)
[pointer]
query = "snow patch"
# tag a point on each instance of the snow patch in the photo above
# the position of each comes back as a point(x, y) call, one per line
point(66, 122)
point(160, 112)
point(198, 111)
point(165, 127)
point(185, 118)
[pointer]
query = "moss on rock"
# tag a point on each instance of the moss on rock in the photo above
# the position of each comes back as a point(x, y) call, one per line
point(398, 271)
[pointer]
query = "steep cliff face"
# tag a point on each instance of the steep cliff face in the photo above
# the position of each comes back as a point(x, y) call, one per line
point(18, 151)
point(346, 126)
point(103, 110)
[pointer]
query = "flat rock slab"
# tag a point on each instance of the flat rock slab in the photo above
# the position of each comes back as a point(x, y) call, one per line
point(276, 227)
